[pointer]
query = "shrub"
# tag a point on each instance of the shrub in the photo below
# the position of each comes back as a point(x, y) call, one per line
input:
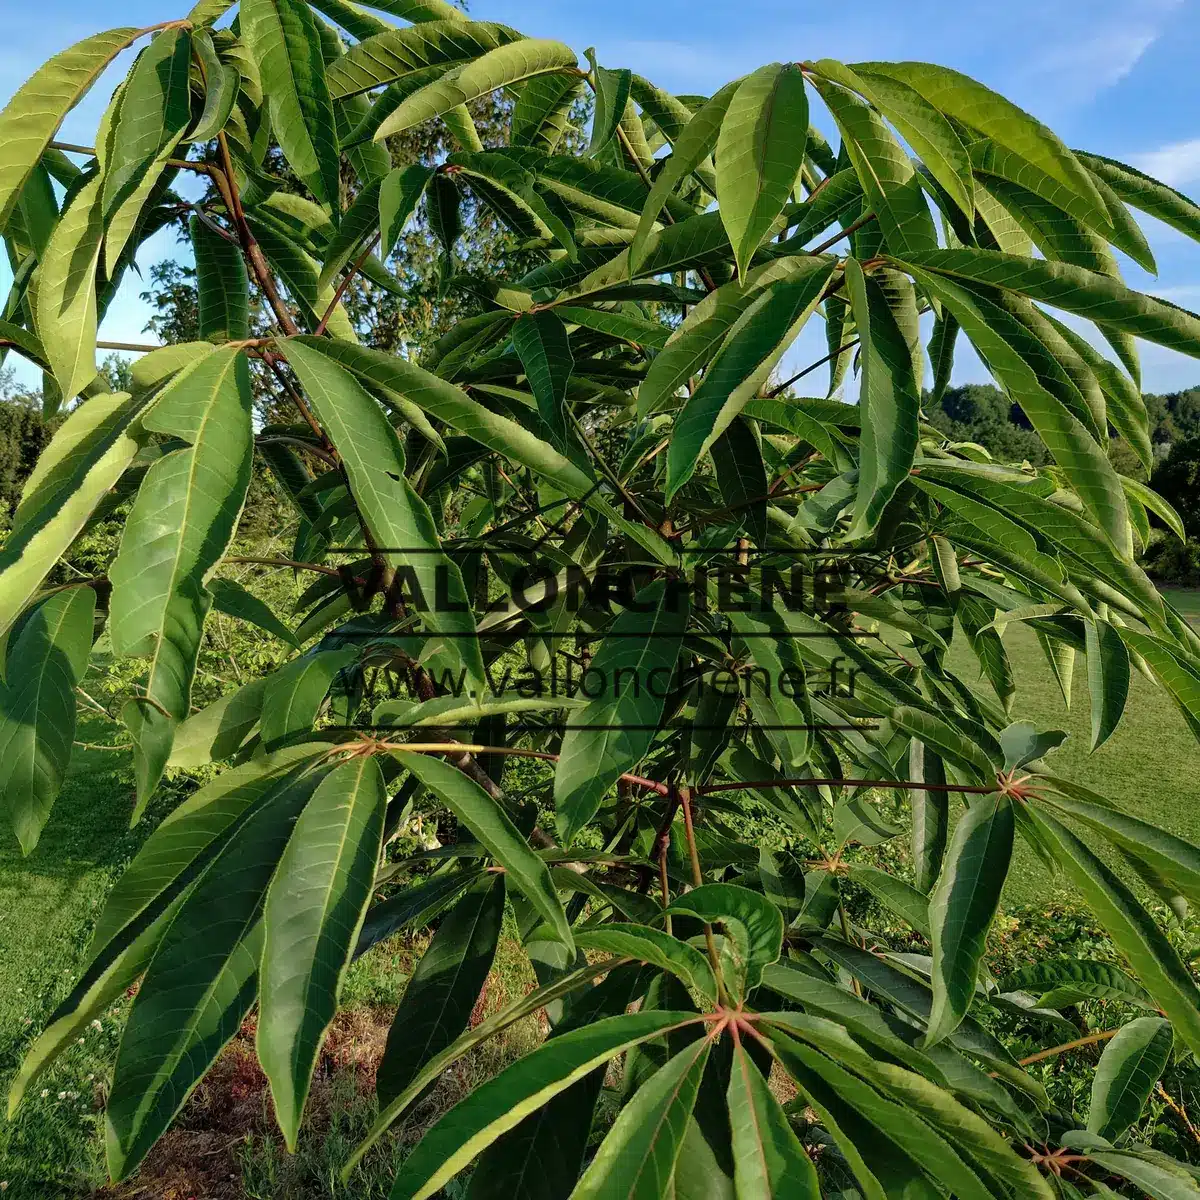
point(595, 477)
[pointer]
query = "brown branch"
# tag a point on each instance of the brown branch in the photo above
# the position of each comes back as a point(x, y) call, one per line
point(1075, 1045)
point(132, 347)
point(837, 237)
point(316, 568)
point(783, 387)
point(910, 784)
point(345, 283)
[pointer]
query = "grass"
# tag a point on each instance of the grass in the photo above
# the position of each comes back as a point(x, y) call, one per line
point(224, 1145)
point(1148, 766)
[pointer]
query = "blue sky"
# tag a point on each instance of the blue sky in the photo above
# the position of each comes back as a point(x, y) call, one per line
point(1117, 77)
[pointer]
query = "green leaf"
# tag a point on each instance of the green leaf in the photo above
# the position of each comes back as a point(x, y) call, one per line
point(963, 906)
point(1162, 1181)
point(499, 68)
point(1147, 194)
point(751, 350)
point(696, 341)
point(612, 94)
point(221, 86)
point(1004, 345)
point(750, 920)
point(37, 707)
point(176, 533)
point(540, 339)
point(1097, 297)
point(492, 827)
point(893, 893)
point(760, 150)
point(66, 294)
point(980, 757)
point(444, 989)
point(1131, 927)
point(742, 478)
point(640, 1150)
point(421, 52)
point(218, 731)
point(234, 600)
point(925, 129)
point(930, 814)
point(154, 111)
point(397, 517)
point(965, 100)
point(294, 694)
point(768, 1157)
point(448, 711)
point(200, 984)
point(504, 1101)
point(399, 195)
point(611, 735)
point(890, 398)
point(1066, 981)
point(619, 325)
point(1108, 674)
point(889, 181)
point(222, 286)
point(31, 118)
point(314, 910)
point(416, 905)
point(694, 144)
point(1178, 673)
point(283, 40)
point(656, 948)
point(541, 114)
point(188, 839)
point(1130, 1066)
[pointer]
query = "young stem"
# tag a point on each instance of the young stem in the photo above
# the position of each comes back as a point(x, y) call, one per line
point(1091, 1040)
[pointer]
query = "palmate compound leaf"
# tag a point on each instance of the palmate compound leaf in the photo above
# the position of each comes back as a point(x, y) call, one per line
point(314, 910)
point(444, 988)
point(504, 1101)
point(396, 516)
point(31, 118)
point(283, 39)
point(45, 661)
point(1128, 1070)
point(201, 982)
point(760, 150)
point(176, 533)
point(635, 664)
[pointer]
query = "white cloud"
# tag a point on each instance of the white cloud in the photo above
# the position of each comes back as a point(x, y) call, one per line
point(1079, 69)
point(1177, 164)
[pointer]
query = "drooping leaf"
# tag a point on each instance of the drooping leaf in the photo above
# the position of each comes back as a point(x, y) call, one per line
point(612, 94)
point(399, 195)
point(657, 948)
point(1108, 678)
point(314, 910)
point(497, 68)
point(31, 118)
point(963, 905)
point(284, 41)
point(200, 984)
point(759, 153)
point(541, 341)
point(222, 286)
point(694, 145)
point(444, 989)
point(44, 664)
point(176, 533)
point(397, 517)
point(608, 738)
point(154, 111)
point(758, 340)
point(501, 1103)
point(1128, 1070)
point(890, 397)
point(492, 827)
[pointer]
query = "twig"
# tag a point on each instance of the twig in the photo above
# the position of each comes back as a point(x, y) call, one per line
point(282, 562)
point(783, 387)
point(837, 237)
point(1075, 1045)
point(133, 347)
point(345, 283)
